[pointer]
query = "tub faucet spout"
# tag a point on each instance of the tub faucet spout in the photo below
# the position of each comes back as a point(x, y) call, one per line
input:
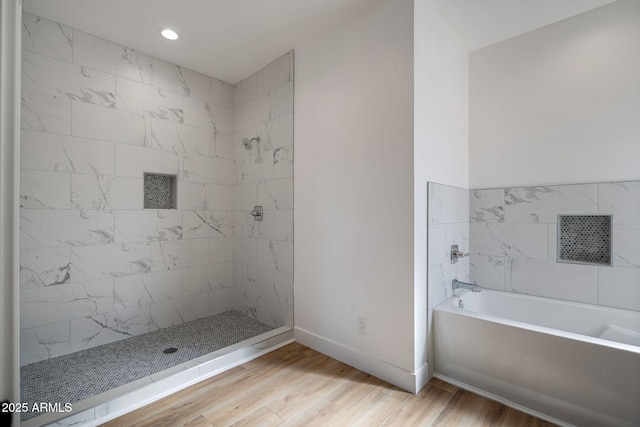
point(464, 285)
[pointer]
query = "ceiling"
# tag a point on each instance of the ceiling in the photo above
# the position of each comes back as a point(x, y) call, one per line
point(231, 39)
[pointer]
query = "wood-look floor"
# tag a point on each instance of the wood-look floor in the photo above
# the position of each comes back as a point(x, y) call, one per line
point(297, 386)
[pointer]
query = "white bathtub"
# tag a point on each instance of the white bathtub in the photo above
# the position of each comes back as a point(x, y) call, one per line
point(571, 363)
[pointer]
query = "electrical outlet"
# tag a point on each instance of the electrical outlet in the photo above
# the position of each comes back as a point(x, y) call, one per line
point(362, 325)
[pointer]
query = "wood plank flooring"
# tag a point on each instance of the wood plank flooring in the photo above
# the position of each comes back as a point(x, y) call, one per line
point(297, 386)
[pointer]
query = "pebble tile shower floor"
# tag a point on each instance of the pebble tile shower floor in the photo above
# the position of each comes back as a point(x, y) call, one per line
point(78, 376)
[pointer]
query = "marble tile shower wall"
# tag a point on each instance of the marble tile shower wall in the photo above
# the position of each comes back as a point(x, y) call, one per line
point(263, 250)
point(95, 266)
point(514, 242)
point(448, 224)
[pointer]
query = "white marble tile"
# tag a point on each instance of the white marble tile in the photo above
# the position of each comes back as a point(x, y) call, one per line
point(134, 161)
point(543, 204)
point(245, 250)
point(626, 241)
point(208, 115)
point(281, 131)
point(245, 90)
point(108, 124)
point(513, 240)
point(487, 271)
point(106, 192)
point(105, 328)
point(147, 225)
point(177, 311)
point(208, 278)
point(143, 289)
point(45, 36)
point(192, 196)
point(141, 98)
point(45, 267)
point(443, 201)
point(487, 205)
point(113, 58)
point(172, 254)
point(619, 287)
point(622, 199)
point(44, 342)
point(211, 170)
point(252, 113)
point(46, 151)
point(274, 75)
point(221, 249)
point(222, 93)
point(44, 190)
point(178, 137)
point(222, 145)
point(53, 228)
point(222, 118)
point(282, 101)
point(440, 277)
point(45, 113)
point(52, 304)
point(275, 254)
point(221, 197)
point(181, 80)
point(221, 300)
point(56, 77)
point(552, 280)
point(78, 418)
point(283, 162)
point(282, 225)
point(255, 168)
point(276, 194)
point(438, 252)
point(463, 205)
point(263, 147)
point(205, 224)
point(109, 260)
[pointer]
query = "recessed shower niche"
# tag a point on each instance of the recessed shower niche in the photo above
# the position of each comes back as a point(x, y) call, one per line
point(136, 194)
point(584, 239)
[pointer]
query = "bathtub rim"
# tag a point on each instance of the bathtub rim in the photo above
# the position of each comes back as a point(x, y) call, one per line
point(449, 306)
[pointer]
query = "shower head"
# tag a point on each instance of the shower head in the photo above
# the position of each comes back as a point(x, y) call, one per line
point(248, 143)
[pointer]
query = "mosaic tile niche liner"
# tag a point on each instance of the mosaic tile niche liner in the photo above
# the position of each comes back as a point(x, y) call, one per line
point(159, 191)
point(584, 239)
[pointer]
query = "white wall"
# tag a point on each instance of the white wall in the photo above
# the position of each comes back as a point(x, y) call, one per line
point(353, 192)
point(559, 104)
point(441, 65)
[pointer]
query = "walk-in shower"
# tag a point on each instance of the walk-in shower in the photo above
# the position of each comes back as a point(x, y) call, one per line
point(140, 257)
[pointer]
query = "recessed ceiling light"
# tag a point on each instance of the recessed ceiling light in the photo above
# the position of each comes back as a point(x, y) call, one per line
point(169, 34)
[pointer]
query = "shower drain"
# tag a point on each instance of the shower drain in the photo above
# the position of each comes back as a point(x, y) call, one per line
point(170, 350)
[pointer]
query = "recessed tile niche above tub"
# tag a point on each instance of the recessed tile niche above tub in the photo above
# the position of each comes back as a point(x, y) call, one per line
point(515, 246)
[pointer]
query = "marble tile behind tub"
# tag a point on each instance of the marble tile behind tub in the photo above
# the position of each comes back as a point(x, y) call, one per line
point(543, 204)
point(626, 242)
point(509, 239)
point(487, 271)
point(51, 152)
point(210, 170)
point(52, 304)
point(45, 113)
point(172, 136)
point(222, 93)
point(44, 342)
point(134, 161)
point(44, 190)
point(55, 77)
point(619, 287)
point(443, 201)
point(141, 98)
point(47, 37)
point(113, 58)
point(103, 261)
point(192, 196)
point(549, 279)
point(281, 131)
point(487, 205)
point(52, 228)
point(45, 267)
point(622, 199)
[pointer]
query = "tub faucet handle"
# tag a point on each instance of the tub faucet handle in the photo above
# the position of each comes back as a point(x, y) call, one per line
point(456, 254)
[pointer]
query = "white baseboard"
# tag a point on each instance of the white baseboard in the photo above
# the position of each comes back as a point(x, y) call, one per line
point(409, 381)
